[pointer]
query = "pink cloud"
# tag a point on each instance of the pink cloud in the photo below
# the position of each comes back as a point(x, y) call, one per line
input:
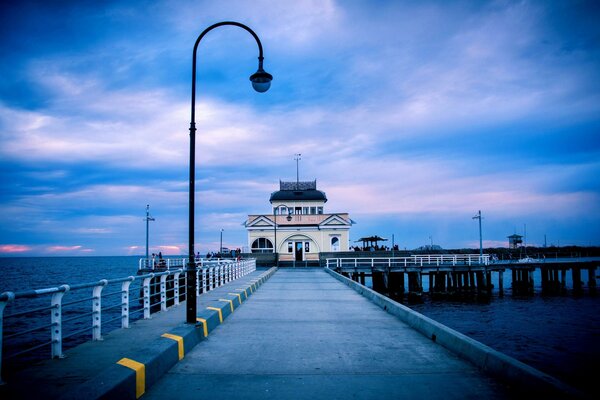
point(63, 248)
point(14, 248)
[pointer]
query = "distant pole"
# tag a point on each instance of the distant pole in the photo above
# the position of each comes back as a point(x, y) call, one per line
point(221, 245)
point(275, 246)
point(478, 216)
point(147, 219)
point(297, 158)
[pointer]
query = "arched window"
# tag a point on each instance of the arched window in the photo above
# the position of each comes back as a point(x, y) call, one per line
point(262, 245)
point(335, 244)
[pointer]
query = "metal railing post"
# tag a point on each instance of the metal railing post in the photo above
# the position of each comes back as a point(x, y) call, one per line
point(146, 294)
point(176, 288)
point(198, 277)
point(203, 280)
point(97, 310)
point(10, 297)
point(56, 321)
point(163, 292)
point(125, 302)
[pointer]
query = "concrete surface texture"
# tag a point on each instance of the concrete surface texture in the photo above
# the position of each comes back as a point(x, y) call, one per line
point(305, 335)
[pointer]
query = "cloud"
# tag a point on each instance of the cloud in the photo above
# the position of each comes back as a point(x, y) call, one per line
point(14, 248)
point(54, 249)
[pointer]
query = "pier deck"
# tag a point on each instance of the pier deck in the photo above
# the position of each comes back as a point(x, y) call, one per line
point(305, 335)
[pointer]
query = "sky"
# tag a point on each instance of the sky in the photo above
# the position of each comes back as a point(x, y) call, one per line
point(411, 116)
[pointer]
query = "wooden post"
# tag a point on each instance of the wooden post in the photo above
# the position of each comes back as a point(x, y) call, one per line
point(592, 280)
point(577, 284)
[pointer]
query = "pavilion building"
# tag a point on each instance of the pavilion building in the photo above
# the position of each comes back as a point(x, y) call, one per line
point(299, 228)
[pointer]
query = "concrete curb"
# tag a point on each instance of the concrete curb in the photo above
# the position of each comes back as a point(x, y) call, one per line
point(135, 373)
point(507, 369)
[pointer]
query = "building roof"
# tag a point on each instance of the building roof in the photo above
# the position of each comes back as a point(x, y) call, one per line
point(298, 191)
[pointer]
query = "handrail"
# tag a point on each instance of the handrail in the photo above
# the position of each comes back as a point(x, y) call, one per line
point(158, 290)
point(411, 261)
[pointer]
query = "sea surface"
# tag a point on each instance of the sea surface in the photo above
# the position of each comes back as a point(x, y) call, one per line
point(558, 335)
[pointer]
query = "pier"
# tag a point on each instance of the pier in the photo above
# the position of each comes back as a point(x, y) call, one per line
point(285, 333)
point(463, 276)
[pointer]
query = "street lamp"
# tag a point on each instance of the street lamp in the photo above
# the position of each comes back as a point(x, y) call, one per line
point(221, 244)
point(261, 81)
point(147, 219)
point(478, 216)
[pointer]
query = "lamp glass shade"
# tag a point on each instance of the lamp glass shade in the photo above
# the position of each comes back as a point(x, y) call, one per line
point(261, 80)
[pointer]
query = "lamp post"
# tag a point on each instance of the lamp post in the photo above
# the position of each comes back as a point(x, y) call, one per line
point(221, 244)
point(478, 216)
point(261, 81)
point(147, 219)
point(275, 234)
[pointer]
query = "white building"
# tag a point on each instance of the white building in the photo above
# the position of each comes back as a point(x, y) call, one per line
point(299, 228)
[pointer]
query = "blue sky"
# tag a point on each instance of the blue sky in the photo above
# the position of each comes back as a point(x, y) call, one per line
point(411, 116)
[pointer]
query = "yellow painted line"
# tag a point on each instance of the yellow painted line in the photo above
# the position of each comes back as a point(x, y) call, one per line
point(230, 303)
point(204, 325)
point(140, 375)
point(219, 310)
point(179, 341)
point(245, 293)
point(238, 295)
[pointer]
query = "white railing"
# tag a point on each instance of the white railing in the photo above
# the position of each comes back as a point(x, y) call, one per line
point(110, 302)
point(175, 263)
point(426, 260)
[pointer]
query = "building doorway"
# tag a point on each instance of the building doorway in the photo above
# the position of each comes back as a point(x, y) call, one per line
point(298, 251)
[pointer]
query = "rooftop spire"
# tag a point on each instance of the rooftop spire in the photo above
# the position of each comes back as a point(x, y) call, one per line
point(297, 158)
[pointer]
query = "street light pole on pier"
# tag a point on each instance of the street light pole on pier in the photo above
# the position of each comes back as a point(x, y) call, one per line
point(221, 244)
point(478, 216)
point(261, 81)
point(147, 219)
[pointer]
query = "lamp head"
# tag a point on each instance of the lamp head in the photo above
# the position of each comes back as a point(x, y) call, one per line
point(261, 80)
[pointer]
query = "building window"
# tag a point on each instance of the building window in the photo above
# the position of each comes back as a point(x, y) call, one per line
point(335, 244)
point(298, 210)
point(262, 245)
point(313, 210)
point(307, 247)
point(290, 247)
point(283, 210)
point(304, 210)
point(275, 211)
point(319, 210)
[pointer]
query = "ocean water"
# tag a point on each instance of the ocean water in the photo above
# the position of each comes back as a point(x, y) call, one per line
point(558, 335)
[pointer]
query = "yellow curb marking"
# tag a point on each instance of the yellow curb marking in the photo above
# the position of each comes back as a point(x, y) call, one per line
point(204, 325)
point(140, 375)
point(179, 341)
point(245, 292)
point(238, 295)
point(219, 310)
point(230, 303)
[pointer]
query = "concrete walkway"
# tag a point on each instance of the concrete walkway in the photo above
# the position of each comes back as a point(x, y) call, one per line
point(305, 335)
point(52, 379)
